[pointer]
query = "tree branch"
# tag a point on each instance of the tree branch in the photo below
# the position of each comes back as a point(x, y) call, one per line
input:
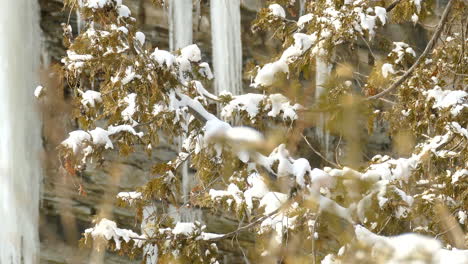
point(318, 153)
point(430, 46)
point(392, 5)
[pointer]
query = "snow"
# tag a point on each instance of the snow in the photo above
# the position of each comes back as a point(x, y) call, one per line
point(239, 137)
point(302, 42)
point(215, 128)
point(257, 189)
point(329, 259)
point(367, 23)
point(129, 111)
point(201, 89)
point(320, 179)
point(454, 101)
point(78, 57)
point(232, 191)
point(278, 222)
point(272, 201)
point(38, 91)
point(76, 140)
point(461, 217)
point(205, 70)
point(195, 106)
point(280, 104)
point(381, 14)
point(304, 20)
point(401, 49)
point(123, 11)
point(243, 134)
point(191, 53)
point(90, 98)
point(123, 128)
point(188, 229)
point(163, 57)
point(183, 228)
point(458, 129)
point(301, 167)
point(328, 205)
point(247, 102)
point(399, 169)
point(250, 103)
point(101, 137)
point(277, 10)
point(209, 236)
point(98, 136)
point(140, 36)
point(95, 4)
point(459, 174)
point(414, 247)
point(129, 197)
point(108, 230)
point(266, 75)
point(417, 4)
point(123, 30)
point(130, 74)
point(386, 69)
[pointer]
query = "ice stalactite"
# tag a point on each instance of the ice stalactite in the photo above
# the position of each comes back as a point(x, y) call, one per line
point(321, 75)
point(180, 36)
point(302, 4)
point(20, 136)
point(227, 45)
point(180, 23)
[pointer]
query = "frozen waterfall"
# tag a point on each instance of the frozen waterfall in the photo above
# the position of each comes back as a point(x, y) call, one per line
point(20, 139)
point(227, 45)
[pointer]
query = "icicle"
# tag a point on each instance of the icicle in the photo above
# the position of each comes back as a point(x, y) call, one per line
point(180, 36)
point(322, 73)
point(20, 139)
point(198, 14)
point(227, 45)
point(78, 22)
point(302, 7)
point(180, 23)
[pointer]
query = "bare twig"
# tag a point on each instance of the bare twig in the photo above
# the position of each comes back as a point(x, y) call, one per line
point(318, 153)
point(430, 46)
point(392, 5)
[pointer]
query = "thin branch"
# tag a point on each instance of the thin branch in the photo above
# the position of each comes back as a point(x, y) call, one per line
point(387, 101)
point(318, 153)
point(430, 46)
point(392, 5)
point(252, 224)
point(337, 160)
